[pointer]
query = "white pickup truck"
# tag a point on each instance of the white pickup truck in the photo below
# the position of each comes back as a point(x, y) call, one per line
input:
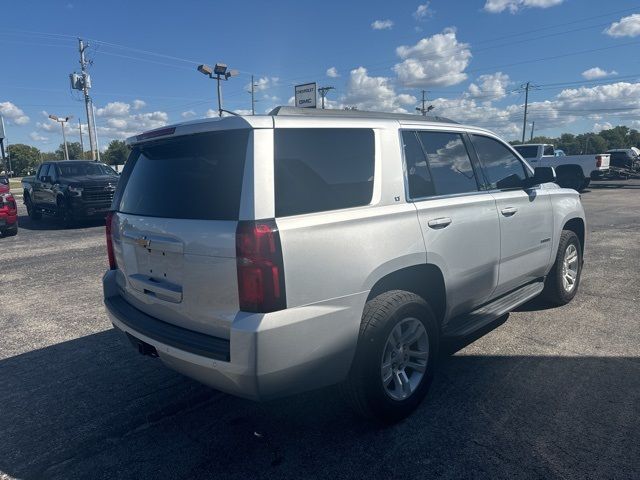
point(573, 171)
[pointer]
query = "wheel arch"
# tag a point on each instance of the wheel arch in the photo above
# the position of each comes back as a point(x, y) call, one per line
point(577, 226)
point(425, 280)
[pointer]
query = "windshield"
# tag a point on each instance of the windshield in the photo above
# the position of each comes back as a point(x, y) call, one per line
point(527, 151)
point(82, 169)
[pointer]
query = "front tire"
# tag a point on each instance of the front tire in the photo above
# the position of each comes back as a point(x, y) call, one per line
point(395, 357)
point(65, 213)
point(31, 210)
point(563, 280)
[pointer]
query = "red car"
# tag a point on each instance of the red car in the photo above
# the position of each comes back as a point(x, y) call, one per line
point(8, 211)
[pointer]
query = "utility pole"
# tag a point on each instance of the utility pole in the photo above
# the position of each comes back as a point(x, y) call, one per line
point(526, 104)
point(533, 126)
point(86, 84)
point(424, 109)
point(253, 98)
point(81, 142)
point(323, 93)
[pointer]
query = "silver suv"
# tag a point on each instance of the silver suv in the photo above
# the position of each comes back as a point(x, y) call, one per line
point(267, 255)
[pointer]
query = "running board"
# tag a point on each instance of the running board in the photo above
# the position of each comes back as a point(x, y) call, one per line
point(466, 324)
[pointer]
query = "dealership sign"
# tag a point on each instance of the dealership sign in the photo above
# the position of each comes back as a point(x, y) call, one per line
point(306, 95)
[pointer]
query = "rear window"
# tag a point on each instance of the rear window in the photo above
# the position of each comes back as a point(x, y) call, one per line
point(191, 177)
point(527, 151)
point(319, 169)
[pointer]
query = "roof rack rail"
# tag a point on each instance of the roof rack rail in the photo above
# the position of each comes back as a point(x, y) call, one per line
point(312, 112)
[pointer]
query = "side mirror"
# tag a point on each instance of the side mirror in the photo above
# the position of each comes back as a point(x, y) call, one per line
point(544, 175)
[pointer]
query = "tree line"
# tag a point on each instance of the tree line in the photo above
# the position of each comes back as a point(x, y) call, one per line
point(587, 143)
point(25, 159)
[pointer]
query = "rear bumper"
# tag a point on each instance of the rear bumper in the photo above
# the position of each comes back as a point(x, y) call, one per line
point(8, 220)
point(266, 355)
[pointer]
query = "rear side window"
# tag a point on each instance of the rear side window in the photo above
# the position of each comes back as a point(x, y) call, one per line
point(319, 169)
point(500, 165)
point(448, 162)
point(190, 177)
point(548, 151)
point(418, 177)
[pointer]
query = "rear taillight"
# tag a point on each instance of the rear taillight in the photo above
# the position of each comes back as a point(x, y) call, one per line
point(110, 254)
point(260, 267)
point(598, 161)
point(7, 200)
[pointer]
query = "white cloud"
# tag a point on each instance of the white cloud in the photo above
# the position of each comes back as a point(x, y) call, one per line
point(211, 113)
point(264, 83)
point(188, 114)
point(36, 137)
point(439, 60)
point(13, 114)
point(497, 6)
point(382, 25)
point(626, 27)
point(423, 11)
point(114, 109)
point(598, 127)
point(597, 72)
point(332, 72)
point(138, 104)
point(490, 87)
point(374, 93)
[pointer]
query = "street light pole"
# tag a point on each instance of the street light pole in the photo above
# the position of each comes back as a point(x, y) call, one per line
point(219, 72)
point(62, 121)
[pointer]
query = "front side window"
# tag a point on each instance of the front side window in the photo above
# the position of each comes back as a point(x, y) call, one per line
point(548, 151)
point(448, 162)
point(320, 169)
point(527, 151)
point(502, 168)
point(44, 171)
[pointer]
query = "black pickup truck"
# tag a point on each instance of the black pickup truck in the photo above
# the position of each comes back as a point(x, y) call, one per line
point(70, 190)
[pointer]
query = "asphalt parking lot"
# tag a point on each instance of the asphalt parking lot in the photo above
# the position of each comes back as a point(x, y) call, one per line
point(545, 393)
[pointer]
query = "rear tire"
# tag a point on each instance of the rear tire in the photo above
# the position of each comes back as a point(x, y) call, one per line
point(563, 280)
point(11, 232)
point(31, 210)
point(395, 358)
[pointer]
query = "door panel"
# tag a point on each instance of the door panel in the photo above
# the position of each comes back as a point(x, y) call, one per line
point(462, 237)
point(526, 226)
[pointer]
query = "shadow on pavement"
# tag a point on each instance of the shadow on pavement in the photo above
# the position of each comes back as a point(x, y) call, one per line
point(51, 223)
point(93, 408)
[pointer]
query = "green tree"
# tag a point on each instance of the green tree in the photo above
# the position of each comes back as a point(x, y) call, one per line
point(116, 153)
point(24, 159)
point(75, 151)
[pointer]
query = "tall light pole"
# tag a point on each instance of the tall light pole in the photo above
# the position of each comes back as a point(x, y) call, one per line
point(62, 121)
point(219, 72)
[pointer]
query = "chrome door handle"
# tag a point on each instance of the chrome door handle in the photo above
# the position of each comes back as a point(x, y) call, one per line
point(509, 211)
point(441, 222)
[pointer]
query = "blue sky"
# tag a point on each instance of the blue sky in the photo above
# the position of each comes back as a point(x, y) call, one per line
point(471, 56)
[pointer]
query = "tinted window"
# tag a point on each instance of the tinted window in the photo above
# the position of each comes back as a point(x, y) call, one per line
point(418, 176)
point(448, 162)
point(192, 177)
point(548, 151)
point(318, 169)
point(81, 169)
point(4, 180)
point(527, 151)
point(502, 168)
point(44, 171)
